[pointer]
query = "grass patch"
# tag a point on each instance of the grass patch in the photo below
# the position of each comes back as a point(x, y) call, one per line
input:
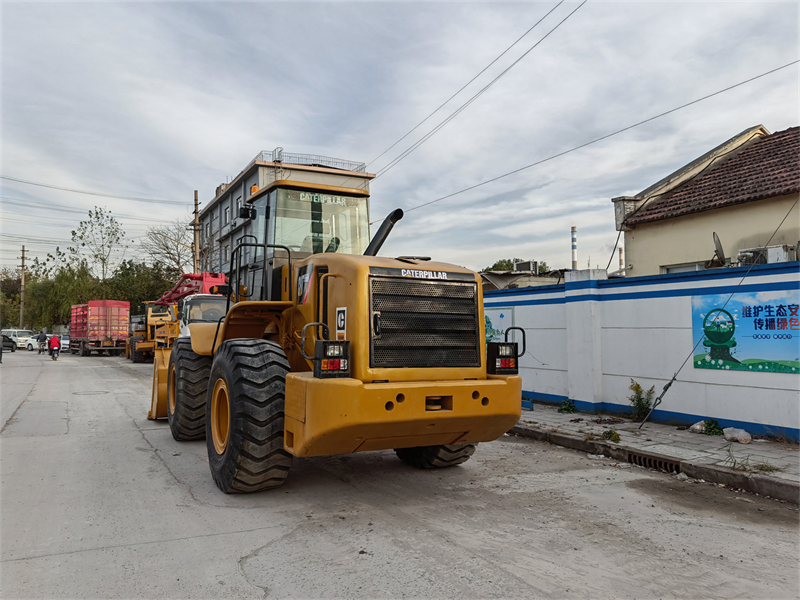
point(766, 468)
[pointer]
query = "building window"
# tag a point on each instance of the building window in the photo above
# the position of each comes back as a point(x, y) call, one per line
point(684, 268)
point(238, 205)
point(226, 254)
point(227, 218)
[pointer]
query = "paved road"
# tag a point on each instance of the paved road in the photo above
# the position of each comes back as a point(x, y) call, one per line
point(99, 502)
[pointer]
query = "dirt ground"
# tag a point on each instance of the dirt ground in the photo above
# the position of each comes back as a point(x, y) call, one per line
point(99, 502)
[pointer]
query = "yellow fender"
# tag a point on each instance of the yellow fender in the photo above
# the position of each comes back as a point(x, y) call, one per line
point(158, 402)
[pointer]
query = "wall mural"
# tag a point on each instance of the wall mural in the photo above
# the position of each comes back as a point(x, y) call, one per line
point(757, 332)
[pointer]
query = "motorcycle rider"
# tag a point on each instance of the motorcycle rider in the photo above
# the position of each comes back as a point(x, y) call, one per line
point(53, 344)
point(42, 339)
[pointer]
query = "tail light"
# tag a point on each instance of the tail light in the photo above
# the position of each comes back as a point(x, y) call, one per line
point(502, 358)
point(331, 359)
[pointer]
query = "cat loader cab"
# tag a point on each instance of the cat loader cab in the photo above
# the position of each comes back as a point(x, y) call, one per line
point(325, 348)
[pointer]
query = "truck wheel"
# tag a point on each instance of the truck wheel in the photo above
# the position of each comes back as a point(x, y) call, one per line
point(137, 356)
point(435, 457)
point(244, 416)
point(84, 350)
point(187, 388)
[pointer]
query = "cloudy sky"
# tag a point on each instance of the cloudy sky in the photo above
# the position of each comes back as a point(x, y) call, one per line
point(155, 100)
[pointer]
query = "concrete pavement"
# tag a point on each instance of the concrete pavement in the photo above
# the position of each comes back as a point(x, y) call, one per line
point(99, 502)
point(766, 467)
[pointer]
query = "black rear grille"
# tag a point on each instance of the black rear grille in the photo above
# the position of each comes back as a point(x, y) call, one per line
point(424, 323)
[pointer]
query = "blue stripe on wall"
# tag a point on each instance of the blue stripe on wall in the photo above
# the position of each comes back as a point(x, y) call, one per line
point(694, 291)
point(662, 416)
point(666, 279)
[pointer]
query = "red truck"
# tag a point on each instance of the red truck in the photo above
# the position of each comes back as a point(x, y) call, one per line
point(101, 326)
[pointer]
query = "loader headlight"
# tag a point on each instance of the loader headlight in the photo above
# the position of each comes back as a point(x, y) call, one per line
point(331, 359)
point(506, 350)
point(501, 358)
point(334, 350)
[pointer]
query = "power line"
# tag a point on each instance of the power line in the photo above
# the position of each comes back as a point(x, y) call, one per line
point(466, 84)
point(463, 107)
point(134, 198)
point(594, 141)
point(64, 208)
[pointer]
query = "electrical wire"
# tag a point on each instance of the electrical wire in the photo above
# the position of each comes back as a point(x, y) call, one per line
point(604, 137)
point(658, 400)
point(64, 189)
point(463, 107)
point(62, 208)
point(418, 125)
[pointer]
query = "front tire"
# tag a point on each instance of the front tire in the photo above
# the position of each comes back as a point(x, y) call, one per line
point(137, 356)
point(245, 418)
point(187, 388)
point(436, 457)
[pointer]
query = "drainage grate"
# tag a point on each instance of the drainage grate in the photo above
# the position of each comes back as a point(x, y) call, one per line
point(654, 462)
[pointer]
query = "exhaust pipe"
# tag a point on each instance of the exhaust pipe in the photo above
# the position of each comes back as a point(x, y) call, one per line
point(383, 232)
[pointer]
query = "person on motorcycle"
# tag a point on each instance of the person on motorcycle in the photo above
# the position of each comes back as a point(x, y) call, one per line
point(42, 339)
point(54, 343)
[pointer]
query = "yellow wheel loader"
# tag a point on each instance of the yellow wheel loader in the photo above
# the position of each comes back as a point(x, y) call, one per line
point(326, 348)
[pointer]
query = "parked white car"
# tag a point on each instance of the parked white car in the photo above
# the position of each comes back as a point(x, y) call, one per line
point(18, 336)
point(33, 343)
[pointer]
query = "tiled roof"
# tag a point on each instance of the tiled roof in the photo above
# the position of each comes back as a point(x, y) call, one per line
point(768, 168)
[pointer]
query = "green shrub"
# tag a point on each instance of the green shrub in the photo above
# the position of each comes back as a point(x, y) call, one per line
point(567, 406)
point(641, 401)
point(611, 436)
point(712, 427)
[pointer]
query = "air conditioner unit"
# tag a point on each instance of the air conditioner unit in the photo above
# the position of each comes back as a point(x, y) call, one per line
point(530, 265)
point(767, 255)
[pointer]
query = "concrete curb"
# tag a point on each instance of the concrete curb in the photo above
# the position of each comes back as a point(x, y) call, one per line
point(751, 482)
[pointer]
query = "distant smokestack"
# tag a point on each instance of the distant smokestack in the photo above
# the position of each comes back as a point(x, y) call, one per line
point(574, 248)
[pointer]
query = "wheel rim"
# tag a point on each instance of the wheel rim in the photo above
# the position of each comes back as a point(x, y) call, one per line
point(171, 391)
point(220, 416)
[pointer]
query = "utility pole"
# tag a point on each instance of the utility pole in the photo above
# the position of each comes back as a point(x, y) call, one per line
point(196, 242)
point(22, 293)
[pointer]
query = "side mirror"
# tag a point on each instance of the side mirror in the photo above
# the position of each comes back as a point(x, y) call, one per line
point(247, 212)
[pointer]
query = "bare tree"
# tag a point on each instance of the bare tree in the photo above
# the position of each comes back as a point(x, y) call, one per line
point(99, 235)
point(170, 245)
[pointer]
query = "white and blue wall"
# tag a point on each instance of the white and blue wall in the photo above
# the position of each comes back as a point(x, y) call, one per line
point(587, 338)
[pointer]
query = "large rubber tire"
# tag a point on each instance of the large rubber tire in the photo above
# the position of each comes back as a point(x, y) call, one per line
point(137, 356)
point(187, 388)
point(436, 457)
point(244, 416)
point(85, 351)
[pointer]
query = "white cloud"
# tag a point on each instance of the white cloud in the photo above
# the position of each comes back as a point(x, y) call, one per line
point(158, 100)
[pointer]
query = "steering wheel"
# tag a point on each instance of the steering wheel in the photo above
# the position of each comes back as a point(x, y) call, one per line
point(212, 314)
